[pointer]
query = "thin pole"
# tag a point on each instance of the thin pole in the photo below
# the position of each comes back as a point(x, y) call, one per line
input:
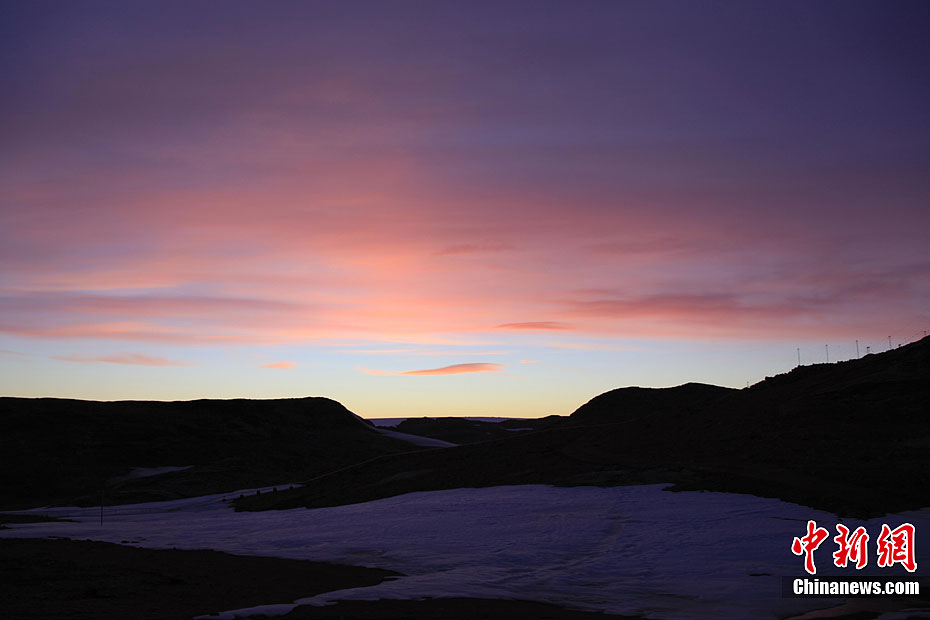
point(799, 356)
point(827, 347)
point(889, 343)
point(857, 349)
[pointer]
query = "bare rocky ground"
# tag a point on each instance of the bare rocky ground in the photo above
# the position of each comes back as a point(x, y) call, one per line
point(72, 452)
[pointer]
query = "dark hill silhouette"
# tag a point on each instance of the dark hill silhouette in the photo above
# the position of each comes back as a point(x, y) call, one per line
point(57, 451)
point(626, 404)
point(851, 437)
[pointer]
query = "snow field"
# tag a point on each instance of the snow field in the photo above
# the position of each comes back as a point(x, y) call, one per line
point(631, 550)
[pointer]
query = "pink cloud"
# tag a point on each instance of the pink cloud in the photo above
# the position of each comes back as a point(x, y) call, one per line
point(150, 305)
point(133, 359)
point(280, 365)
point(587, 346)
point(120, 330)
point(13, 353)
point(535, 325)
point(454, 369)
point(469, 248)
point(699, 306)
point(730, 314)
point(420, 352)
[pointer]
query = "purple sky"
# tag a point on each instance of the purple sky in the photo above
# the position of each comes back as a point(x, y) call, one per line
point(522, 204)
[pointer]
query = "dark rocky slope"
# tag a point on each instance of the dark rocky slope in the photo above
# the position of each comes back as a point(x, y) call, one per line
point(56, 451)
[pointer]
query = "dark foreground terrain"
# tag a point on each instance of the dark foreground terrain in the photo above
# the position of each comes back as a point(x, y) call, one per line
point(83, 580)
point(63, 579)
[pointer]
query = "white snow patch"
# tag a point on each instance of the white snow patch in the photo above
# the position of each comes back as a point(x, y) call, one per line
point(382, 422)
point(245, 612)
point(906, 614)
point(414, 439)
point(629, 550)
point(417, 439)
point(147, 472)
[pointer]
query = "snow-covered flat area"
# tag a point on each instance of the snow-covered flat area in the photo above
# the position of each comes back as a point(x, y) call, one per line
point(386, 422)
point(417, 440)
point(148, 472)
point(634, 550)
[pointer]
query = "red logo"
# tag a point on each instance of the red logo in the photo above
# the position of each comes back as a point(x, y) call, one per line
point(808, 544)
point(894, 546)
point(897, 546)
point(852, 547)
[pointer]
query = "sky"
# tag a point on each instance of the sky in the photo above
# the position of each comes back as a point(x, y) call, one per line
point(456, 208)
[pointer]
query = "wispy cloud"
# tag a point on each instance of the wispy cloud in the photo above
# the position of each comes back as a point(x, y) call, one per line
point(466, 248)
point(122, 330)
point(454, 369)
point(528, 361)
point(535, 325)
point(446, 352)
point(280, 365)
point(720, 306)
point(132, 359)
point(13, 353)
point(588, 346)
